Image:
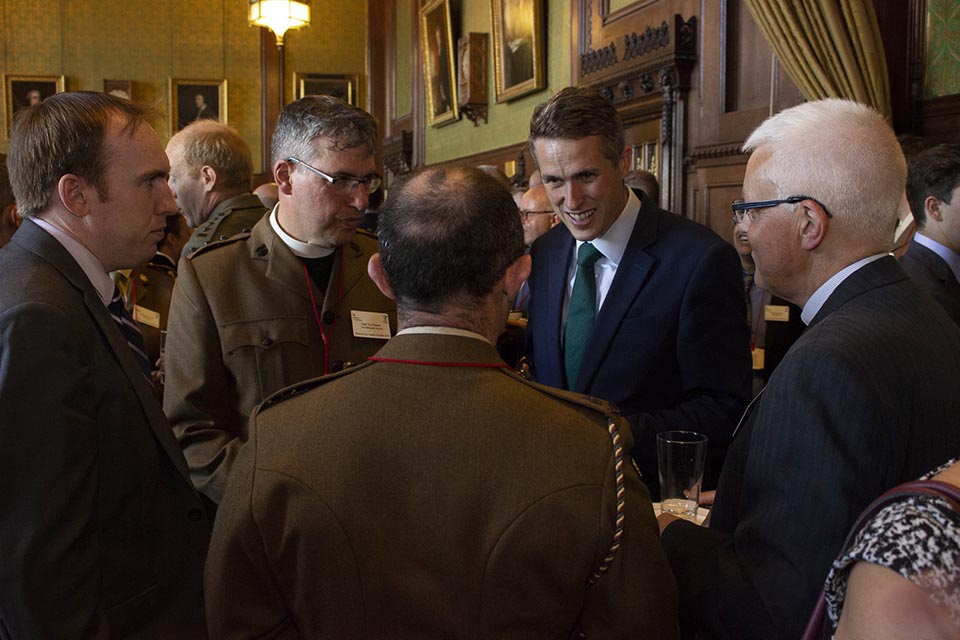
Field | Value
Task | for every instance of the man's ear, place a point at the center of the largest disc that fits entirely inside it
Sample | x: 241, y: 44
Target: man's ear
x: 75, y: 194
x: 379, y: 276
x: 516, y: 274
x: 10, y: 217
x: 814, y: 224
x: 281, y: 175
x: 208, y: 176
x: 931, y: 206
x: 625, y: 160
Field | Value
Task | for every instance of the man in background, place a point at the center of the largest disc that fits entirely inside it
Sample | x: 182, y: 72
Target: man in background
x: 499, y: 514
x: 101, y: 530
x: 867, y: 398
x: 211, y: 172
x: 932, y: 259
x: 288, y: 301
x: 628, y: 302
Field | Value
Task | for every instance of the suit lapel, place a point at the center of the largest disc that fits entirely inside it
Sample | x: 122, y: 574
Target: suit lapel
x: 556, y: 290
x: 937, y: 266
x: 280, y: 265
x: 875, y: 274
x: 42, y: 244
x: 349, y: 267
x: 632, y: 273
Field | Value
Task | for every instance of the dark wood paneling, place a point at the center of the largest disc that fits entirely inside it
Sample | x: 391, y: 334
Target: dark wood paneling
x: 271, y: 98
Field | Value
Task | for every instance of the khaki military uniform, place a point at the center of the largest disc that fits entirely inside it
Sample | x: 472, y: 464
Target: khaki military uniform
x: 148, y: 300
x: 243, y: 325
x: 405, y: 500
x: 232, y: 216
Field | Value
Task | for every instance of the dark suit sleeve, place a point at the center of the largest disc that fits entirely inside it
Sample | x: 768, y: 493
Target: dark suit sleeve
x: 713, y: 355
x: 198, y: 397
x: 813, y: 451
x: 49, y: 576
x: 638, y: 591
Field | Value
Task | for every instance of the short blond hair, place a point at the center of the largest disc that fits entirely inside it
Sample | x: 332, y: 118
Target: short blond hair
x: 208, y: 142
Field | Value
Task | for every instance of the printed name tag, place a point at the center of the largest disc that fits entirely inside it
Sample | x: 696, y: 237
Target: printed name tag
x: 757, y: 359
x: 146, y: 316
x: 776, y: 313
x: 369, y: 324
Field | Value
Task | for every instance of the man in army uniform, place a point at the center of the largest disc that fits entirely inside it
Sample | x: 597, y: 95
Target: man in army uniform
x: 288, y: 301
x: 463, y: 501
x: 147, y: 297
x: 211, y: 172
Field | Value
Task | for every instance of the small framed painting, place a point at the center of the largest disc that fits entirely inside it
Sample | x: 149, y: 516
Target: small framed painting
x: 24, y: 91
x: 437, y: 47
x: 193, y: 100
x: 322, y: 84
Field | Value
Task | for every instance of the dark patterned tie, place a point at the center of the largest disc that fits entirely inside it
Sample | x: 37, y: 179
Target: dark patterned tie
x: 581, y: 312
x: 131, y: 332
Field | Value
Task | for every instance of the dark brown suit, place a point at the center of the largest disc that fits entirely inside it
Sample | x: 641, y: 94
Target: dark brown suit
x: 243, y: 325
x: 464, y: 502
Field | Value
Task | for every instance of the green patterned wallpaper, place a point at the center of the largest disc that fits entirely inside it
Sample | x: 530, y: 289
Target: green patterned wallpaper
x: 88, y: 41
x: 510, y: 122
x: 404, y: 58
x: 942, y: 77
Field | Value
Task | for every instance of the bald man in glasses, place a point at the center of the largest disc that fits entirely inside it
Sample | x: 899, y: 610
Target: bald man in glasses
x: 288, y: 301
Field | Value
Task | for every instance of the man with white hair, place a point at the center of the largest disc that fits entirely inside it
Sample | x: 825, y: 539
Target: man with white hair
x: 867, y: 397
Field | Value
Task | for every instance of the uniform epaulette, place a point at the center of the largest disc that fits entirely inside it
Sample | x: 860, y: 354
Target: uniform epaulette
x: 300, y: 387
x: 608, y: 409
x: 161, y: 268
x: 243, y: 235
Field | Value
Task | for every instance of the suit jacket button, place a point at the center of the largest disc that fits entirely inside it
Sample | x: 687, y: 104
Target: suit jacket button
x: 194, y: 514
x: 261, y: 250
x: 266, y: 341
x: 223, y: 237
x: 245, y: 230
x: 328, y: 316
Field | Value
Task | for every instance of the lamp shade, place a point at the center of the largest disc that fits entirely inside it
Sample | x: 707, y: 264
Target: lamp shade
x: 279, y: 15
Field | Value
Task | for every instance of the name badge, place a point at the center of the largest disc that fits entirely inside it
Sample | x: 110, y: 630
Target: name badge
x: 146, y: 316
x: 370, y: 324
x: 776, y: 313
x: 757, y: 359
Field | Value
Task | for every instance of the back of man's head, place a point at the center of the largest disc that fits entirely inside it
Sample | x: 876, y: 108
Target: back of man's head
x: 311, y: 117
x: 62, y: 135
x: 576, y: 113
x: 645, y: 181
x: 6, y: 191
x: 447, y: 236
x: 934, y: 172
x: 208, y: 142
x: 9, y: 220
x: 841, y: 153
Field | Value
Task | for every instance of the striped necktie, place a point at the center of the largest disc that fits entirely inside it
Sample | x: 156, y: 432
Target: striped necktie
x: 581, y: 312
x: 131, y: 332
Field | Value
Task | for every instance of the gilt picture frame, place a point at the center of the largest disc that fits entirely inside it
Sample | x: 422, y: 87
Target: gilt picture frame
x: 192, y: 100
x: 21, y: 89
x: 518, y: 48
x: 326, y: 84
x: 440, y: 78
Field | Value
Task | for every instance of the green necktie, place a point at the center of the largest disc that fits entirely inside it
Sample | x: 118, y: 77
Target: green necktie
x: 581, y: 312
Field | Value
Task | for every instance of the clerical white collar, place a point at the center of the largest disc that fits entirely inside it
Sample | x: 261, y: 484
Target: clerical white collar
x: 298, y: 247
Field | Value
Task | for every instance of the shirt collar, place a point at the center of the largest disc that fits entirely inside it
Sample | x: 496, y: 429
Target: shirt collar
x: 297, y: 247
x: 443, y: 331
x: 820, y: 296
x: 613, y: 243
x: 89, y: 263
x: 949, y: 256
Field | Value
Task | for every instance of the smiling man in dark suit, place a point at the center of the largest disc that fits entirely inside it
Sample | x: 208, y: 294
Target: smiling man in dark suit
x: 867, y: 397
x: 933, y: 258
x: 101, y: 531
x: 660, y: 328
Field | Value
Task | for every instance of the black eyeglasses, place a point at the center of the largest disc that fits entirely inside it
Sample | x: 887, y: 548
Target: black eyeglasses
x: 752, y: 209
x: 342, y: 184
x: 526, y: 213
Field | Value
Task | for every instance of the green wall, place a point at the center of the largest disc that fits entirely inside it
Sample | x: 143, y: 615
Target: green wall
x: 942, y: 76
x: 509, y: 123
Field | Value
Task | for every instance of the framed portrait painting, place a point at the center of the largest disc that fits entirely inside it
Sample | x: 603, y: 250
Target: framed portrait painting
x: 23, y: 91
x: 192, y: 100
x: 436, y: 40
x: 518, y: 47
x: 321, y: 84
x: 119, y: 88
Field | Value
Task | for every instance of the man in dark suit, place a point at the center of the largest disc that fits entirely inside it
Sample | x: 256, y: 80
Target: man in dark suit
x: 288, y: 301
x: 102, y: 533
x: 933, y: 257
x: 868, y: 396
x: 662, y: 334
x: 488, y: 508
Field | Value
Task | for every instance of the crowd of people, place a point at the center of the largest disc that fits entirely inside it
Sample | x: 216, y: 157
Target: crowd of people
x: 230, y: 414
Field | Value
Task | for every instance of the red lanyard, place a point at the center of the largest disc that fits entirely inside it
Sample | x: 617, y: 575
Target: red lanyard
x: 469, y: 365
x: 316, y: 314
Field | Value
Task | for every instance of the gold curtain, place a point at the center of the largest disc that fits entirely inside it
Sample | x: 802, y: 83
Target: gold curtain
x: 830, y: 48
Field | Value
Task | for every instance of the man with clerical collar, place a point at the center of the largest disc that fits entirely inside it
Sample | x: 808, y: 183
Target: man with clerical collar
x: 867, y: 397
x: 289, y: 300
x: 628, y: 302
x: 933, y: 257
x: 211, y: 172
x: 464, y: 501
